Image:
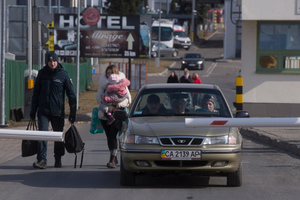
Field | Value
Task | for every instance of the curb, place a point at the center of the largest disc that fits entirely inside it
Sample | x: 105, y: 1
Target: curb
x: 284, y: 145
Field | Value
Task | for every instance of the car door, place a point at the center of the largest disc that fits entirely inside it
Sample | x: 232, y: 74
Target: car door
x: 163, y: 50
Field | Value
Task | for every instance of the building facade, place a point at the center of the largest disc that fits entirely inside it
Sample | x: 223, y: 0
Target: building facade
x: 271, y: 57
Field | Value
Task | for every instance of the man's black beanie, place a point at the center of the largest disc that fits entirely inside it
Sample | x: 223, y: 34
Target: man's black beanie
x: 51, y: 56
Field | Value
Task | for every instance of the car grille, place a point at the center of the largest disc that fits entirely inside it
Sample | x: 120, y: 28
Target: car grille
x: 192, y: 62
x: 178, y: 163
x: 185, y: 42
x: 180, y: 141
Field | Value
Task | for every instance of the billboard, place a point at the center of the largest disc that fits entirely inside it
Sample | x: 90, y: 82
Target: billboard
x: 115, y: 36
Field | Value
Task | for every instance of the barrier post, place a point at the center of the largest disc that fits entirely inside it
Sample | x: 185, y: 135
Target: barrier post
x: 239, y: 93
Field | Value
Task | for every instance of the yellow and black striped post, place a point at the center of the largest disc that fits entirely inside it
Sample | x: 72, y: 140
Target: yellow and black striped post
x: 239, y: 93
x: 215, y: 20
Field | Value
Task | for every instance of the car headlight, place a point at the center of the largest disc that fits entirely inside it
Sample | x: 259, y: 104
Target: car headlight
x: 138, y: 139
x: 199, y: 62
x: 227, y: 139
x: 183, y: 62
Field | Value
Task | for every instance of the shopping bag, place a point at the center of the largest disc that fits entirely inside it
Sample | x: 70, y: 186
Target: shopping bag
x: 96, y: 126
x: 29, y: 147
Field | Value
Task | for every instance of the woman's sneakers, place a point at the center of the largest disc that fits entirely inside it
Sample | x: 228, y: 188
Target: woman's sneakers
x: 113, y: 161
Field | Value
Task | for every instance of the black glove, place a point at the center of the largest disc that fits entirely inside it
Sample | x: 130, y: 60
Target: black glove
x: 72, y: 119
x: 32, y: 116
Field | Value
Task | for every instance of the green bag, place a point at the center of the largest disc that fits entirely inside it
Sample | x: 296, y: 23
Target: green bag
x: 96, y: 126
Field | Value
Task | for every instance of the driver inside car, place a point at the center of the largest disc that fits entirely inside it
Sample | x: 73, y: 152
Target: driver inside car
x: 154, y: 106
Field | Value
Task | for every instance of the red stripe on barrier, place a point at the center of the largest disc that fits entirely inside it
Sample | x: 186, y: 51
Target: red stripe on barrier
x: 218, y: 122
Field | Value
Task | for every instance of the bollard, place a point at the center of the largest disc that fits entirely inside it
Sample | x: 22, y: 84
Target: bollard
x: 239, y: 93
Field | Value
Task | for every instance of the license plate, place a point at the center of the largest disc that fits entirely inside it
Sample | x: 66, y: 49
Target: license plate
x: 181, y: 154
x: 185, y: 46
x: 192, y: 65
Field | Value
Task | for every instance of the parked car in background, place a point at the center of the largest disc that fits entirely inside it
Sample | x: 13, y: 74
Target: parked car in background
x: 157, y: 142
x: 164, y: 50
x: 181, y: 40
x: 192, y: 61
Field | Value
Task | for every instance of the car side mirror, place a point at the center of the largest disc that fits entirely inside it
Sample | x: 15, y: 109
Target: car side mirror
x: 120, y: 115
x: 242, y: 114
x: 181, y: 58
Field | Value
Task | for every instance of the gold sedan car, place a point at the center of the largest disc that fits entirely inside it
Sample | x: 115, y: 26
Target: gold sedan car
x: 156, y: 141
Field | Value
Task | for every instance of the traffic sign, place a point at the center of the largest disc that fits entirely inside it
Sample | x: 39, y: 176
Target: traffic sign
x: 50, y: 42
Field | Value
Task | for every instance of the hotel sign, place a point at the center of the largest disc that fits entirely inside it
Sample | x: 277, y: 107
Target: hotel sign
x: 112, y: 36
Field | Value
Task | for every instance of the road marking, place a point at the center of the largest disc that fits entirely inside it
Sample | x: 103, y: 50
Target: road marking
x: 210, y: 69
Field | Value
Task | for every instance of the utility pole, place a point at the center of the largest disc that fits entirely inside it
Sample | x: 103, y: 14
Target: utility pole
x: 192, y: 24
x: 2, y: 59
x: 78, y: 52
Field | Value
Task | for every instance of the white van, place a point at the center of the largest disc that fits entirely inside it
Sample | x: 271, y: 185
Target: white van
x: 180, y: 38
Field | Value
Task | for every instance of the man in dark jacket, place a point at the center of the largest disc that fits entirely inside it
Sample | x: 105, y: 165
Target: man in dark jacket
x: 48, y: 101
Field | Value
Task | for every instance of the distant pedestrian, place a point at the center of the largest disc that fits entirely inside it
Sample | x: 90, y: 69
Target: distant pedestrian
x: 186, y: 77
x: 173, y: 78
x: 196, y: 78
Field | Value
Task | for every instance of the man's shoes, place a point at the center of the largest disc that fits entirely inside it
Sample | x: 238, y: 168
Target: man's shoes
x: 40, y: 164
x: 112, y: 162
x: 57, y: 163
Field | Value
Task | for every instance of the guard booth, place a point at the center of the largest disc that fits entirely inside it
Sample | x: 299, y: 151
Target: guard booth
x: 28, y: 92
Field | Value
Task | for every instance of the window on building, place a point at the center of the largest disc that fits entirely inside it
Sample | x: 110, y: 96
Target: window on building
x: 278, y: 47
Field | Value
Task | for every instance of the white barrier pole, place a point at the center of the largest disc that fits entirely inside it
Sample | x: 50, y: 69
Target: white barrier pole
x: 32, y: 135
x: 242, y: 122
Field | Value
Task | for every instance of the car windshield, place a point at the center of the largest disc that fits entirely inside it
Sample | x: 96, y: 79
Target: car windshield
x: 180, y: 34
x: 192, y: 55
x: 180, y: 102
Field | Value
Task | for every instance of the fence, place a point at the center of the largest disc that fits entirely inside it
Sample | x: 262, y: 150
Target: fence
x: 15, y: 84
x: 138, y: 74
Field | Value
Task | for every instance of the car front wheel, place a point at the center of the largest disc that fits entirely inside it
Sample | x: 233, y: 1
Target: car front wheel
x: 154, y: 54
x: 127, y: 178
x: 175, y: 53
x: 234, y: 179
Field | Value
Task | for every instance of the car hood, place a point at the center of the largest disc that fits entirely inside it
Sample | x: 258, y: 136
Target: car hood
x: 171, y: 126
x: 182, y: 38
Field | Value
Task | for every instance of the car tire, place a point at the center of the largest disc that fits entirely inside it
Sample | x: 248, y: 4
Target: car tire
x: 127, y: 178
x: 202, y: 67
x: 154, y: 54
x: 174, y: 53
x: 234, y: 179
